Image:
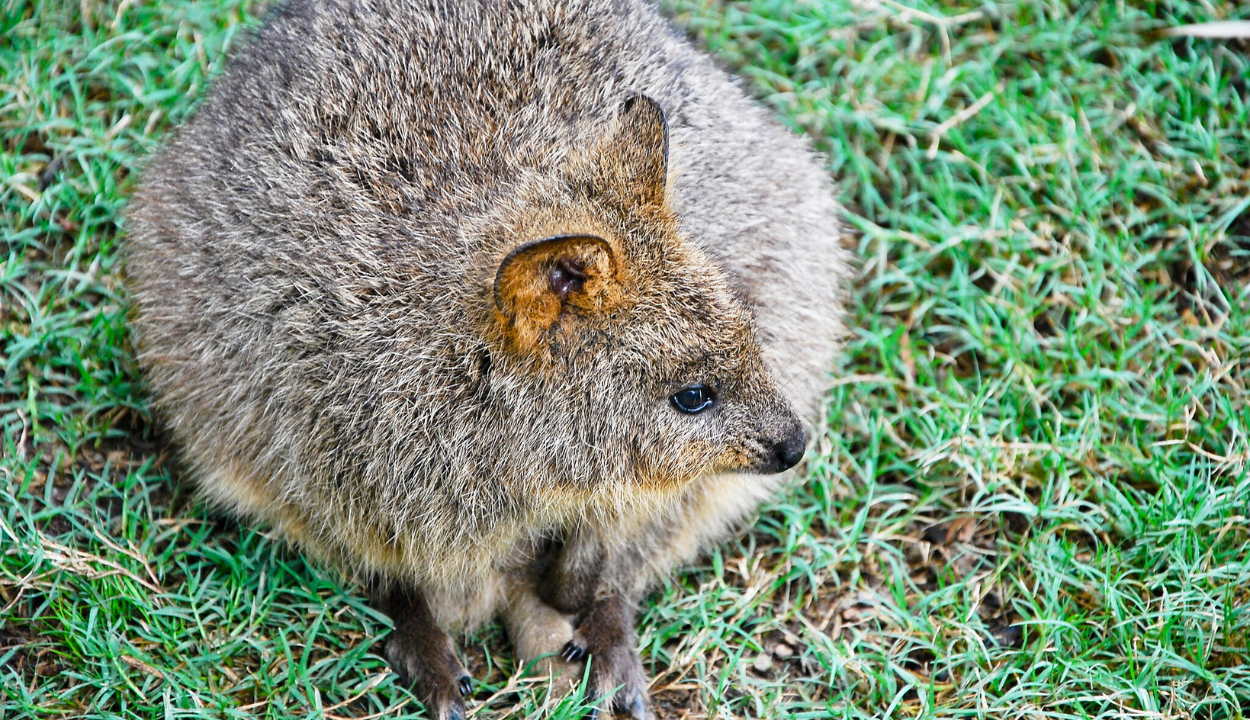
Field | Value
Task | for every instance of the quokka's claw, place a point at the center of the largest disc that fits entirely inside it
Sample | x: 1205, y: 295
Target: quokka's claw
x: 573, y: 652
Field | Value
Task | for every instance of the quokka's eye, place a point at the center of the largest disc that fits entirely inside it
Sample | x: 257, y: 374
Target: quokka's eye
x: 694, y: 399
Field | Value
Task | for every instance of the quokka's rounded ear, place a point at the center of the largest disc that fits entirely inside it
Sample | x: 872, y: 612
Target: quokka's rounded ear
x: 537, y: 282
x: 633, y: 160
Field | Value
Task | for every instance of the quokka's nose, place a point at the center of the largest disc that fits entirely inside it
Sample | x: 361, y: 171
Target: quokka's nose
x: 789, y: 451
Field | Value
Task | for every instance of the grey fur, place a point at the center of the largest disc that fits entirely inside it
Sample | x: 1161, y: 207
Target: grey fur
x: 311, y: 259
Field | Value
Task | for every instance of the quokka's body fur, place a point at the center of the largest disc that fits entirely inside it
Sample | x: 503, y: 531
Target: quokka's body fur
x: 346, y: 343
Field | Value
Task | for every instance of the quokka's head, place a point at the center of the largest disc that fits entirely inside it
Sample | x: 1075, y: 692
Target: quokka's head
x: 642, y: 361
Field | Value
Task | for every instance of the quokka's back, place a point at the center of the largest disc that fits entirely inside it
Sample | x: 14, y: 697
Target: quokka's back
x: 427, y: 287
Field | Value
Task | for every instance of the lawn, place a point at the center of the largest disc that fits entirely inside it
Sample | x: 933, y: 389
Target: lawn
x: 1032, y: 499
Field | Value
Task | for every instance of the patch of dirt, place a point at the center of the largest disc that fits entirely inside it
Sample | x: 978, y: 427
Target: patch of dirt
x: 1230, y: 259
x: 677, y: 702
x: 31, y: 661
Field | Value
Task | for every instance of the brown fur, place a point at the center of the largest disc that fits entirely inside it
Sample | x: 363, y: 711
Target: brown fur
x: 417, y: 281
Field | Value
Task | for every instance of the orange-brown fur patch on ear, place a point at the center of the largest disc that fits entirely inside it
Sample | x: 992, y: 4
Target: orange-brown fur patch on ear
x: 539, y: 280
x: 633, y: 161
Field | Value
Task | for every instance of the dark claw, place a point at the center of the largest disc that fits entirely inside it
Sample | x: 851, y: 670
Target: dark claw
x: 464, y: 685
x: 573, y: 652
x: 589, y: 698
x: 637, y: 708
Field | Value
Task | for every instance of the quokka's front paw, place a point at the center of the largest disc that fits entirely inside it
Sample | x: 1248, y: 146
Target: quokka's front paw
x: 605, y: 639
x: 432, y: 670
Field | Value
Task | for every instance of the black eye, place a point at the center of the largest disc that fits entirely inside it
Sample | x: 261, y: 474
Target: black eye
x: 694, y: 399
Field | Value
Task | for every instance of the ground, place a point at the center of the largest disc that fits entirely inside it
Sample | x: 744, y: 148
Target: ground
x: 1032, y: 499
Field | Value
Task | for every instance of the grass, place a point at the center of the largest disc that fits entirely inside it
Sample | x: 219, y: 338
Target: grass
x: 1032, y: 500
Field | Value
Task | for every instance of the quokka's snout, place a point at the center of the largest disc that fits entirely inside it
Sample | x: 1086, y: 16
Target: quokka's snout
x: 784, y: 449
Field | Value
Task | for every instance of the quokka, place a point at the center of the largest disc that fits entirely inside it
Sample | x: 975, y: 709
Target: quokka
x: 503, y: 306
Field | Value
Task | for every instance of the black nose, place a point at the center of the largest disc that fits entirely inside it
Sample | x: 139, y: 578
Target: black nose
x: 788, y: 452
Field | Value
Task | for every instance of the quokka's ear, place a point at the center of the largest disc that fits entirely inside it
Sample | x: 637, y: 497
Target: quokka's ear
x: 538, y: 281
x: 633, y: 160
